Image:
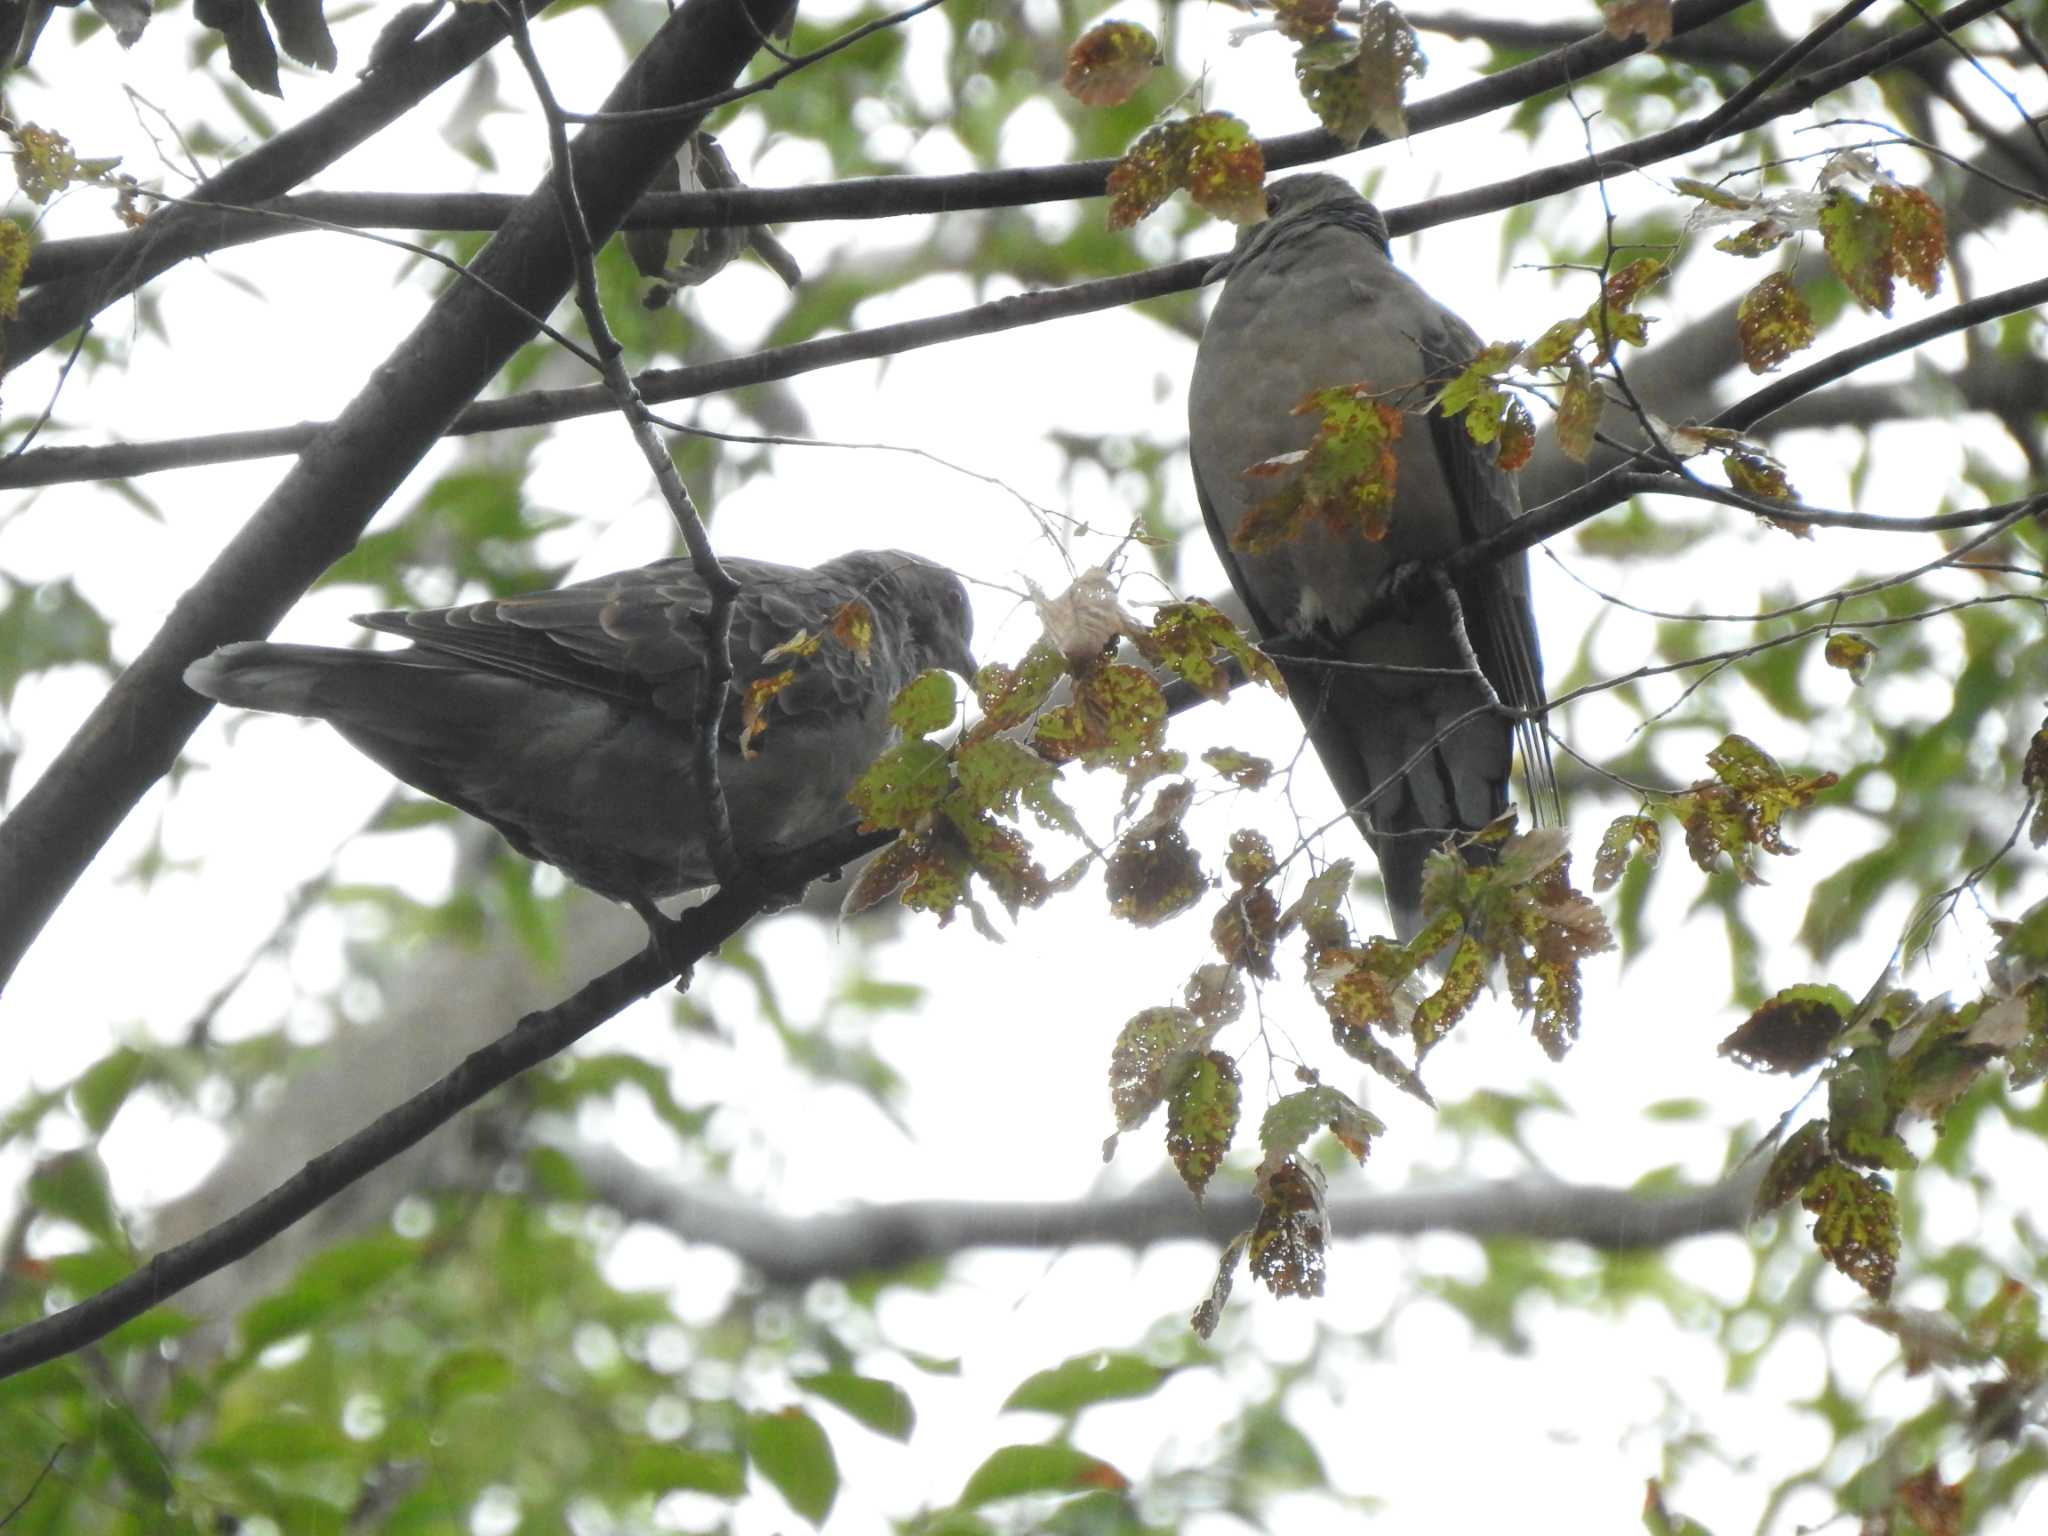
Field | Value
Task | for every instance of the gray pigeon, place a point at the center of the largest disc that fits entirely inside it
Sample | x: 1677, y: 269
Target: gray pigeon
x: 564, y: 719
x: 1313, y: 300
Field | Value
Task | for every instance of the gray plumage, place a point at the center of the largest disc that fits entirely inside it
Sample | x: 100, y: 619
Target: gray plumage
x: 1313, y: 300
x: 565, y: 719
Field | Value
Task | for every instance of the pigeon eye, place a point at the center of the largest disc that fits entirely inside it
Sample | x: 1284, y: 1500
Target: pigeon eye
x: 1272, y: 204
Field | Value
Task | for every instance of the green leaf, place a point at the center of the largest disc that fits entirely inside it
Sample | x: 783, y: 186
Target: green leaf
x: 105, y: 1086
x: 1100, y: 1377
x: 790, y: 1450
x: 1021, y: 1469
x: 660, y: 1469
x: 331, y: 1283
x: 73, y: 1186
x: 881, y: 1405
x: 279, y: 1440
x: 125, y: 1441
x: 926, y: 704
x: 475, y: 1371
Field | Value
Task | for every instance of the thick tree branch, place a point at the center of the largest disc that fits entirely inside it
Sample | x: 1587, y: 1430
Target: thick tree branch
x: 321, y: 506
x: 792, y: 1251
x: 535, y: 1039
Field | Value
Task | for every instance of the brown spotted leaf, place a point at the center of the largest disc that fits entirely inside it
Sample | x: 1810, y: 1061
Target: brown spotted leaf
x: 1152, y: 1052
x: 14, y: 249
x: 1250, y: 860
x: 1343, y: 480
x: 1858, y: 240
x: 1623, y: 834
x: 1793, y: 1166
x: 1109, y: 62
x: 1201, y: 1118
x: 1117, y: 716
x: 1648, y: 19
x: 1772, y: 322
x: 1856, y: 1225
x: 1210, y: 1312
x: 925, y: 704
x: 1578, y: 411
x: 1245, y: 929
x: 754, y: 701
x: 1187, y: 638
x: 902, y: 786
x: 853, y: 626
x: 1452, y: 999
x: 1001, y: 856
x: 1302, y: 20
x: 1153, y: 874
x: 1224, y: 169
x: 2034, y: 778
x: 1357, y: 86
x: 1292, y: 1118
x: 1851, y: 653
x: 1241, y: 768
x: 1755, y: 473
x: 1010, y: 696
x: 1919, y: 234
x: 1215, y: 993
x: 1288, y: 1239
x: 1792, y: 1031
x: 1742, y: 809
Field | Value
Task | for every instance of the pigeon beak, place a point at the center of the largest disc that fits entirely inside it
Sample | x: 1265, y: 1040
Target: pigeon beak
x: 962, y: 661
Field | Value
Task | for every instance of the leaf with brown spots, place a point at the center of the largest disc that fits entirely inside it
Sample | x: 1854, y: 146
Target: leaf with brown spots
x: 1241, y: 768
x: 1357, y: 86
x: 1245, y: 929
x: 853, y: 626
x: 1856, y: 1225
x: 1109, y: 62
x: 1624, y: 833
x: 1210, y: 1312
x: 1772, y: 322
x: 1288, y: 1239
x: 1792, y: 1031
x: 1201, y: 1119
x: 1152, y: 1051
x: 1648, y: 19
x: 754, y: 701
x: 1153, y: 874
x: 1743, y: 808
x: 1343, y: 480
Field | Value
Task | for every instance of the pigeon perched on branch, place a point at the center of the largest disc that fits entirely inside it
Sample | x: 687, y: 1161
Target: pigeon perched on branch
x: 567, y: 719
x: 1312, y: 301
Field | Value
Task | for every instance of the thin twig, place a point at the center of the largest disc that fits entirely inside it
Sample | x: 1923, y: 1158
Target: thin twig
x: 1784, y: 64
x: 715, y: 691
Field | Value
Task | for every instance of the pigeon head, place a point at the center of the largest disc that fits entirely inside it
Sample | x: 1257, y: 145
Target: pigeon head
x: 932, y: 599
x: 1297, y: 204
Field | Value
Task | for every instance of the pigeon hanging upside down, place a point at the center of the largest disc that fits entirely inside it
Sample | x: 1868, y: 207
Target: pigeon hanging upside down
x: 566, y: 719
x: 1313, y: 301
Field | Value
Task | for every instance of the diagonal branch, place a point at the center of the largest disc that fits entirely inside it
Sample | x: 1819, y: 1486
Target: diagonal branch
x: 535, y: 1039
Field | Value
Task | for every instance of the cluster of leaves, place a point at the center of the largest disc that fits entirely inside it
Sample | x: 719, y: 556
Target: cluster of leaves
x: 1738, y: 812
x: 1871, y: 240
x: 960, y: 807
x: 1895, y: 1056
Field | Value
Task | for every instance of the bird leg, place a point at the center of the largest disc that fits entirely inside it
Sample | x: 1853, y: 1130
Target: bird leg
x: 664, y: 937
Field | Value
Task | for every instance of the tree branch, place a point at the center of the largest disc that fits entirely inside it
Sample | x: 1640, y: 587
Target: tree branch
x: 879, y: 197
x: 792, y: 1251
x: 537, y: 1037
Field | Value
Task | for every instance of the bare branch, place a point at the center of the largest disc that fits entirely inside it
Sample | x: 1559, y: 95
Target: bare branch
x: 537, y: 1037
x: 792, y: 1251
